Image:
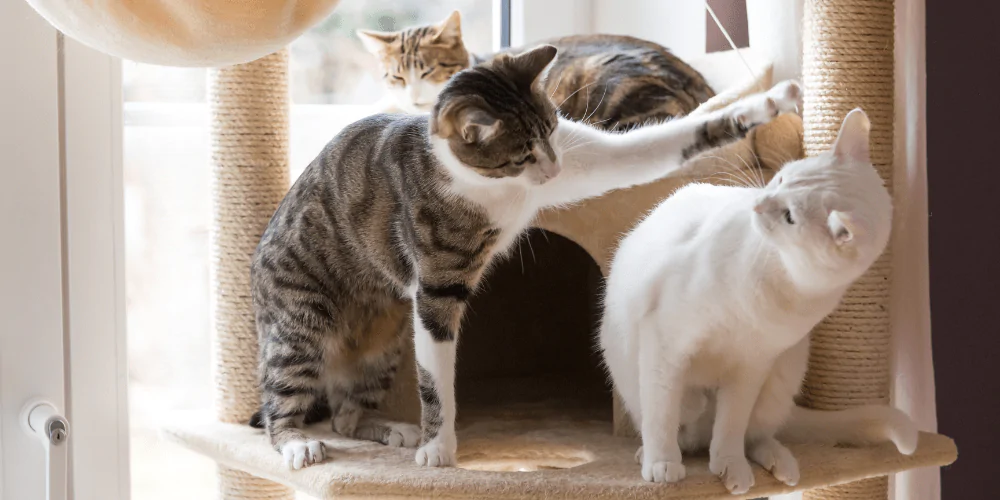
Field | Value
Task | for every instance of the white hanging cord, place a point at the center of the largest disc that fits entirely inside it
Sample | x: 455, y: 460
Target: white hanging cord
x: 732, y: 44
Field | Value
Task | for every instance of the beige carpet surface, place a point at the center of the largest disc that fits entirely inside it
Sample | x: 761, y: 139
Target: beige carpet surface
x: 564, y: 458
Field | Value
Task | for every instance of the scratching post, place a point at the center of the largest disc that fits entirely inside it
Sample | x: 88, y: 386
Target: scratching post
x: 848, y: 62
x: 249, y: 105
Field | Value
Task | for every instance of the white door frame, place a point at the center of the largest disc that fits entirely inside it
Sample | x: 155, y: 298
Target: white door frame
x: 62, y: 292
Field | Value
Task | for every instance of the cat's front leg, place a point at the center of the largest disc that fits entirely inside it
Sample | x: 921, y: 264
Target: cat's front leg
x: 735, y: 400
x: 437, y: 314
x: 595, y: 162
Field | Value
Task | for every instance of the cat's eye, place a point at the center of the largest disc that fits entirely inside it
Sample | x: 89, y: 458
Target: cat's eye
x: 788, y: 217
x: 399, y: 78
x: 526, y: 159
x: 429, y: 71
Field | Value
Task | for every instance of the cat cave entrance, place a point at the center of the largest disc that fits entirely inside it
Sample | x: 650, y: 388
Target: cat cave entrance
x: 536, y: 412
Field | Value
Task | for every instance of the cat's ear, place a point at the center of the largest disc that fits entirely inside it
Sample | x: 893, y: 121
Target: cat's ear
x: 471, y: 124
x: 450, y: 29
x: 528, y: 66
x: 852, y: 141
x: 476, y: 125
x: 376, y: 42
x: 843, y: 227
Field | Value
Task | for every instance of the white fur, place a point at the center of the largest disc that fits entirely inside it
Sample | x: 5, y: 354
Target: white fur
x: 710, y: 301
x: 438, y: 358
x: 417, y: 96
x: 588, y: 163
x: 299, y: 454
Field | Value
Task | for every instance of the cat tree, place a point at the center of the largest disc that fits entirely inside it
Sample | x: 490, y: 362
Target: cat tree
x: 572, y: 449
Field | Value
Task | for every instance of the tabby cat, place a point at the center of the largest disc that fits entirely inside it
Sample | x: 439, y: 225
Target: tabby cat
x: 609, y: 81
x: 393, y: 225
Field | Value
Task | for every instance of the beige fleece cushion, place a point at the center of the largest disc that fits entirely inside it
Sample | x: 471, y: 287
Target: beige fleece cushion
x: 185, y: 32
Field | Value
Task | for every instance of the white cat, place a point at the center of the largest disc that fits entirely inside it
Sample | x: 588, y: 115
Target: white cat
x: 710, y: 301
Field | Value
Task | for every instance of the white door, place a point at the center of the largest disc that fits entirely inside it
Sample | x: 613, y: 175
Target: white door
x: 61, y: 284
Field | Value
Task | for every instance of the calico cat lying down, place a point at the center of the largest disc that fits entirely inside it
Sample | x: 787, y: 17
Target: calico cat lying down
x: 709, y: 305
x: 391, y: 228
x: 609, y: 81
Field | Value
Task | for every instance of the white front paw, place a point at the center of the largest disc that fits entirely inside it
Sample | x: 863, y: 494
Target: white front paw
x: 663, y: 472
x: 787, y: 96
x: 437, y: 453
x: 404, y: 435
x: 735, y: 472
x: 299, y: 454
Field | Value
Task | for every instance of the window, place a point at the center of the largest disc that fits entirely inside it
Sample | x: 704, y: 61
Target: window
x: 334, y: 81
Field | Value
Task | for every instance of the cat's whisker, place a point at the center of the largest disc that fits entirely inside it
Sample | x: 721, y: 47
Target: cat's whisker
x: 574, y: 93
x: 586, y: 119
x: 749, y: 171
x: 520, y: 255
x: 777, y: 161
x: 600, y: 122
x: 722, y: 181
x: 758, y: 172
x: 556, y: 89
x: 735, y: 179
x: 527, y: 238
x: 743, y: 175
x: 736, y: 169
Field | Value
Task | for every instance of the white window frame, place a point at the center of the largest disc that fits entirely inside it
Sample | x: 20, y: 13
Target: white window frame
x: 63, y: 293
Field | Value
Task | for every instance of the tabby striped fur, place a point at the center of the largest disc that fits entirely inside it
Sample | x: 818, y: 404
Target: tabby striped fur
x: 393, y: 225
x: 612, y: 82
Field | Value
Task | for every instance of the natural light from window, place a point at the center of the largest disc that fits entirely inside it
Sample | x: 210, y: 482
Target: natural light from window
x: 334, y: 82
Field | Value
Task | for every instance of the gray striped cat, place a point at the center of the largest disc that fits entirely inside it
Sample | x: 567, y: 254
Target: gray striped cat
x: 393, y: 225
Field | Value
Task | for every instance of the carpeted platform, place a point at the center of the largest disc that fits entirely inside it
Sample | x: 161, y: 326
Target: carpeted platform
x: 518, y: 456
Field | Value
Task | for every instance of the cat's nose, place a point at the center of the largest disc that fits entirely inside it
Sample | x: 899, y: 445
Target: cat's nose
x: 548, y: 169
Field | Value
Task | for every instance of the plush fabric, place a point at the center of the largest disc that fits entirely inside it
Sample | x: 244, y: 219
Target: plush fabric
x: 494, y: 447
x: 185, y: 32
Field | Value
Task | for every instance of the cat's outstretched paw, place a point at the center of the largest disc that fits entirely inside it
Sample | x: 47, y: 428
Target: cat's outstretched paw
x: 299, y: 454
x: 436, y: 453
x: 736, y: 473
x: 663, y: 472
x: 776, y: 458
x: 787, y: 96
x: 403, y: 436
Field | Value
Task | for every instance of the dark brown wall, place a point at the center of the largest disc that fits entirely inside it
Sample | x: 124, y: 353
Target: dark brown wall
x: 963, y: 103
x: 733, y: 15
x: 534, y: 320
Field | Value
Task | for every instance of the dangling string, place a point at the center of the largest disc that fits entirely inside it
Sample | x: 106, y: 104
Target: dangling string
x: 732, y: 44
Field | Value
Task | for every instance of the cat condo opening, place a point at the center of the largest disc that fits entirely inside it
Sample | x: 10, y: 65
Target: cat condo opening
x: 536, y: 417
x: 527, y: 351
x: 527, y: 341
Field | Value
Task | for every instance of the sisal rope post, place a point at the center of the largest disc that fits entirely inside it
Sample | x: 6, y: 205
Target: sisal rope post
x: 848, y: 62
x: 249, y: 111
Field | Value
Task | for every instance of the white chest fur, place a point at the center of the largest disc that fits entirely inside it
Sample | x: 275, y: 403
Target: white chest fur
x: 510, y: 207
x: 510, y: 203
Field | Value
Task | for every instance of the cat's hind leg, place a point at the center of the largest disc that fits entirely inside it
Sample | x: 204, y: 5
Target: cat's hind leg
x: 735, y: 400
x: 287, y: 397
x: 357, y: 413
x: 771, y: 411
x: 291, y: 377
x: 661, y: 393
x: 775, y: 458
